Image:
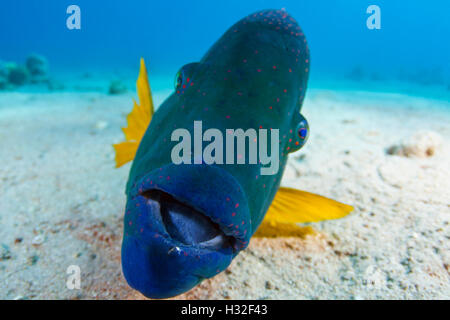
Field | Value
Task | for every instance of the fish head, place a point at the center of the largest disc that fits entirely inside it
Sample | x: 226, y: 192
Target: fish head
x: 185, y: 222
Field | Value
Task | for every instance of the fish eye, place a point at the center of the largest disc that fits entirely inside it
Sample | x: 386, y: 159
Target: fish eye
x: 184, y: 77
x: 303, y: 131
x: 178, y: 80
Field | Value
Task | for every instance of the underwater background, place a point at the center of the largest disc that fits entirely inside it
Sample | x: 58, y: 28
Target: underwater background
x: 411, y: 47
x: 378, y: 107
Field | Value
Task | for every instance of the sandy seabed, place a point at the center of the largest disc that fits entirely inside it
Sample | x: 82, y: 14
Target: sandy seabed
x: 62, y: 201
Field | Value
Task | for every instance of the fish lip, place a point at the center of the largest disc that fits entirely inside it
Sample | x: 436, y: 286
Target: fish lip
x: 167, y: 276
x: 186, y: 247
x: 207, y: 245
x: 158, y: 179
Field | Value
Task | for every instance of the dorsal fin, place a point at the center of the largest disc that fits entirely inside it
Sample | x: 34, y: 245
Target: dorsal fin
x: 137, y: 120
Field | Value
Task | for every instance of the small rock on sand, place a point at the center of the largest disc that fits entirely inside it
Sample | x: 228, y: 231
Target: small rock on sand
x: 18, y: 75
x: 117, y: 87
x: 100, y: 125
x: 422, y: 144
x: 38, y: 240
x: 37, y: 67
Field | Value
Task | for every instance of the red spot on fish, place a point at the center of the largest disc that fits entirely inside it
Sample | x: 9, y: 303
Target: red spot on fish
x: 233, y: 214
x: 237, y: 205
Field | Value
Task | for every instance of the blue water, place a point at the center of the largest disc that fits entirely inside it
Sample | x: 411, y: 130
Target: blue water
x: 412, y: 44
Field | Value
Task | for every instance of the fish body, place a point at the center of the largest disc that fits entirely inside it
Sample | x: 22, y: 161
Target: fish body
x: 186, y: 222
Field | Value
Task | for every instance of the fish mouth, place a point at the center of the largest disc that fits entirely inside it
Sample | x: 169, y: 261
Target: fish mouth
x: 195, y: 205
x: 185, y: 224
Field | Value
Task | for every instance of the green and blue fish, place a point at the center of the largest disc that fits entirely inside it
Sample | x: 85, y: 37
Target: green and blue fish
x: 185, y: 222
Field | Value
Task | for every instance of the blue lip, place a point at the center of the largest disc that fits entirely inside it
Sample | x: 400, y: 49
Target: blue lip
x: 154, y: 260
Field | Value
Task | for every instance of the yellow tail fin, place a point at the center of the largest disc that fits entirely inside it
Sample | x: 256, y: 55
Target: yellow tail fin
x: 292, y: 206
x: 138, y: 120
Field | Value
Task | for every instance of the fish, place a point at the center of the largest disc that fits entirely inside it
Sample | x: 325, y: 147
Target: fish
x: 186, y: 222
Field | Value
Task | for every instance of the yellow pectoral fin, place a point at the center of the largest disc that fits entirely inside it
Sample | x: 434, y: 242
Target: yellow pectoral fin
x: 269, y: 230
x: 292, y: 206
x: 137, y: 120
